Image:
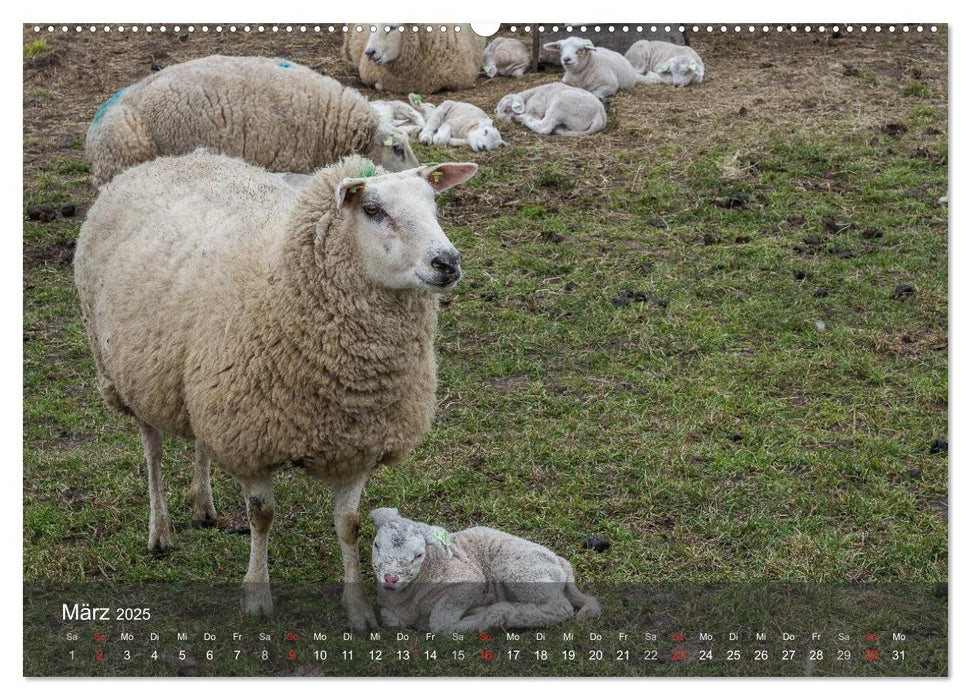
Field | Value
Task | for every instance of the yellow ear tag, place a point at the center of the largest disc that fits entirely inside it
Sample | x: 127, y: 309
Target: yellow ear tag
x: 389, y: 141
x: 436, y: 176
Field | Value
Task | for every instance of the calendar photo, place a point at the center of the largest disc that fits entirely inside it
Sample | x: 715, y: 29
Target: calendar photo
x: 516, y: 350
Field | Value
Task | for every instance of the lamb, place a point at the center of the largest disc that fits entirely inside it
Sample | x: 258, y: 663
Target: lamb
x: 274, y: 113
x: 469, y: 580
x: 555, y: 108
x: 664, y: 62
x: 277, y: 327
x: 401, y: 114
x: 401, y: 61
x: 460, y: 124
x: 601, y: 71
x: 506, y: 57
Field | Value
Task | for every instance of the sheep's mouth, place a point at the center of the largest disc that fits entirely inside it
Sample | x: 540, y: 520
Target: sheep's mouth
x: 376, y: 59
x: 441, y: 282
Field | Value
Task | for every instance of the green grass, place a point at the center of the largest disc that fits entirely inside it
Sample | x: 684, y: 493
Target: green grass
x: 35, y: 47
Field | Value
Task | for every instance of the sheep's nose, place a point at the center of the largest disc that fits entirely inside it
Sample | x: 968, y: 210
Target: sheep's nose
x: 369, y: 53
x: 390, y: 579
x: 447, y: 264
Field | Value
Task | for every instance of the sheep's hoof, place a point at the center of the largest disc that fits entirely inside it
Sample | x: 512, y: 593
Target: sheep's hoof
x: 257, y: 599
x: 160, y: 543
x: 362, y: 620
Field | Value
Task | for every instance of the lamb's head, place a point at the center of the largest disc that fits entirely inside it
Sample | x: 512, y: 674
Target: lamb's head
x: 391, y: 149
x: 509, y: 106
x: 681, y: 69
x: 393, y: 220
x: 485, y: 137
x: 574, y: 51
x: 400, y: 547
x: 384, y: 45
x: 489, y: 59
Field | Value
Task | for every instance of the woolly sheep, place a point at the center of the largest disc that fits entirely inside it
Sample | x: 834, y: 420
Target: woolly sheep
x: 398, y: 60
x: 555, y: 108
x: 273, y: 113
x: 601, y: 71
x: 665, y: 62
x: 460, y: 124
x: 469, y: 580
x: 506, y: 57
x: 277, y: 327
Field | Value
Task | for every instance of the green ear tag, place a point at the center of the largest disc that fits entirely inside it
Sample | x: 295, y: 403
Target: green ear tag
x: 665, y: 68
x: 389, y: 141
x: 436, y: 176
x: 368, y: 171
x: 417, y: 97
x: 442, y: 535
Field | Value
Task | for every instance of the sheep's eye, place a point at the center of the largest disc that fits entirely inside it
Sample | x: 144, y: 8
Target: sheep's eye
x: 371, y: 210
x: 417, y: 557
x: 399, y: 150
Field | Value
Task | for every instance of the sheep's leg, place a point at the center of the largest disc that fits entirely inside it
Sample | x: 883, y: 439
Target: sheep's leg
x: 432, y: 122
x: 200, y: 493
x: 457, y: 142
x: 347, y: 522
x: 159, y: 523
x: 443, y: 135
x: 257, y: 599
x: 540, y: 126
x: 542, y: 606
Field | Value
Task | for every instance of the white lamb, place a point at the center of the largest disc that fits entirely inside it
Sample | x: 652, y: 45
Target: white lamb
x: 506, y: 57
x: 664, y: 62
x: 399, y: 114
x: 460, y: 124
x: 601, y: 71
x: 555, y: 108
x: 469, y: 580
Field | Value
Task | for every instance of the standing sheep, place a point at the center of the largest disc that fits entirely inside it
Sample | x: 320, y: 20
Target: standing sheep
x: 663, y: 62
x: 555, y: 108
x: 278, y: 327
x: 273, y: 113
x: 460, y: 124
x: 399, y: 60
x: 601, y: 71
x: 470, y: 580
x: 506, y: 57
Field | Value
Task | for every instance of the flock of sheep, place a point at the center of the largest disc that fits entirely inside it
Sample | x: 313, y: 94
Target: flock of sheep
x: 260, y: 272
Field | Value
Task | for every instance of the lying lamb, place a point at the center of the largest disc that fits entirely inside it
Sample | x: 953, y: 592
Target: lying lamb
x: 400, y: 114
x: 555, y: 108
x: 506, y: 57
x: 601, y: 71
x: 469, y: 580
x: 460, y: 124
x: 663, y: 62
x: 280, y: 327
x: 270, y: 112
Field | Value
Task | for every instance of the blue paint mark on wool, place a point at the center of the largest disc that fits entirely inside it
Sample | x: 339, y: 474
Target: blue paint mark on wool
x: 107, y: 104
x: 285, y: 64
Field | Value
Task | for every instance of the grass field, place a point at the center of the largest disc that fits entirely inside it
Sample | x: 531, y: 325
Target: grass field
x: 679, y: 334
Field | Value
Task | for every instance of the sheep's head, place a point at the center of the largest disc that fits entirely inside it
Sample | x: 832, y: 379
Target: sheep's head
x: 573, y: 51
x: 681, y: 69
x: 391, y: 149
x: 509, y: 106
x: 489, y: 68
x: 384, y: 45
x: 400, y: 547
x: 485, y: 137
x: 394, y: 221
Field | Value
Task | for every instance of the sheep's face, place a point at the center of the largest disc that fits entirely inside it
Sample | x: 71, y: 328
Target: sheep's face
x: 384, y: 45
x: 397, y: 555
x: 395, y: 225
x: 391, y: 148
x: 489, y: 68
x: 509, y: 106
x: 680, y: 69
x: 574, y: 52
x: 485, y: 137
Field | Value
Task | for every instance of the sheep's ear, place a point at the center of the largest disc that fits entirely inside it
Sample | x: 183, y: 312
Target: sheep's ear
x: 552, y: 46
x: 383, y: 516
x: 587, y: 44
x: 517, y: 106
x: 349, y: 191
x: 438, y: 537
x: 447, y: 175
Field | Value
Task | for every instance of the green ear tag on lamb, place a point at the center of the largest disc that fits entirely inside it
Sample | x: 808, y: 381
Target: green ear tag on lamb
x: 665, y: 68
x: 439, y: 534
x: 389, y: 142
x: 692, y: 66
x: 369, y: 170
x: 417, y: 97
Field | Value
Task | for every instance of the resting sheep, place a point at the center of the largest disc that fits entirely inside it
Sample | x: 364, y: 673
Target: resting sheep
x: 598, y: 70
x: 506, y: 57
x: 555, y: 108
x: 400, y: 114
x: 469, y: 580
x: 277, y: 327
x: 460, y: 124
x: 273, y: 113
x: 663, y: 62
x: 396, y: 59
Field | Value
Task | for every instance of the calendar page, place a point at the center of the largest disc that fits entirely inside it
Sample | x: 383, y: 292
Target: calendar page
x: 552, y: 349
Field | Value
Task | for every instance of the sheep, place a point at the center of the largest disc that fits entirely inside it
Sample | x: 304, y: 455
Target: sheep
x: 274, y: 113
x: 601, y: 71
x: 555, y: 108
x: 277, y: 327
x: 664, y: 62
x: 400, y: 61
x: 400, y: 114
x: 470, y: 580
x: 460, y: 124
x: 506, y: 57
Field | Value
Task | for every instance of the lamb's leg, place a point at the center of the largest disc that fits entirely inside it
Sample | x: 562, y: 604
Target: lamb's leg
x: 432, y: 122
x: 200, y: 493
x: 347, y: 522
x: 257, y: 599
x: 456, y: 143
x: 443, y: 135
x: 540, y: 126
x: 550, y: 609
x: 159, y: 523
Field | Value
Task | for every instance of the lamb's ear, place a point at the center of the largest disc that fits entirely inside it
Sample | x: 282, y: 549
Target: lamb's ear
x: 349, y: 191
x: 552, y: 46
x: 382, y: 516
x: 447, y: 175
x: 436, y: 536
x: 587, y: 44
